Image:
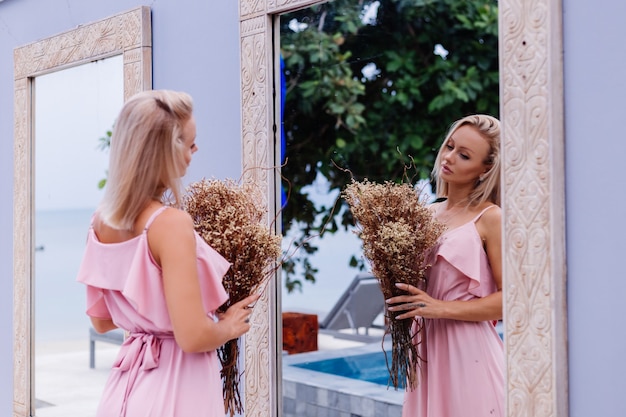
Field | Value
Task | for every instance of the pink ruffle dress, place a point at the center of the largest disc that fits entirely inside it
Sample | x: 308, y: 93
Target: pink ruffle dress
x: 463, y: 375
x: 152, y: 376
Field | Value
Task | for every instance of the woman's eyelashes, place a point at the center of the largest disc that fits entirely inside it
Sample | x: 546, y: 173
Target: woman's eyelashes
x: 462, y: 155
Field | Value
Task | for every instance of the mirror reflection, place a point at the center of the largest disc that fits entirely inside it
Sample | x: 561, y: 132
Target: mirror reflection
x: 369, y: 90
x: 74, y: 109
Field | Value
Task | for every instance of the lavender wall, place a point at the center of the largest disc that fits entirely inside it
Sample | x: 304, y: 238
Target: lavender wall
x: 595, y: 90
x: 195, y: 49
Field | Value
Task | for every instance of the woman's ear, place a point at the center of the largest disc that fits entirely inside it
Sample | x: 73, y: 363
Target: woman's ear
x: 482, y: 176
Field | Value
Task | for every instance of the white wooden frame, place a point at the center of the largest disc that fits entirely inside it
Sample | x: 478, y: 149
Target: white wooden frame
x: 531, y: 83
x: 128, y: 34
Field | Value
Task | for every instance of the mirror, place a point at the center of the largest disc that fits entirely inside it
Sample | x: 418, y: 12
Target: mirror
x: 126, y: 36
x: 66, y: 195
x: 367, y: 88
x: 530, y: 45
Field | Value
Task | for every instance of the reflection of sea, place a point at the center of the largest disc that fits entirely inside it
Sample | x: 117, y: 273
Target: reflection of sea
x: 59, y: 299
x: 333, y: 276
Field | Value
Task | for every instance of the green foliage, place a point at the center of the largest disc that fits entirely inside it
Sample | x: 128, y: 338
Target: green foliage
x: 104, y: 143
x: 339, y: 123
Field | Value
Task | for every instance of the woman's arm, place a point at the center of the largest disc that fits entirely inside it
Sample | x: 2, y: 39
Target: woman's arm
x: 173, y: 244
x: 102, y: 325
x: 489, y: 227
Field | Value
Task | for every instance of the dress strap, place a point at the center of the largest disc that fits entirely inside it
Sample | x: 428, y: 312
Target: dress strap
x: 154, y: 216
x: 482, y: 212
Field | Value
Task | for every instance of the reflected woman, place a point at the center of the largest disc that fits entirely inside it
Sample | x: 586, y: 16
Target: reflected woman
x: 148, y: 272
x: 462, y: 371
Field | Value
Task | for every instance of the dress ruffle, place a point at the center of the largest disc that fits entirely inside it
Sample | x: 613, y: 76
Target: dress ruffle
x: 471, y: 261
x: 138, y: 277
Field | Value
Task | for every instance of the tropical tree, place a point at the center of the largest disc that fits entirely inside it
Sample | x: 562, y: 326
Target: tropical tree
x: 370, y: 87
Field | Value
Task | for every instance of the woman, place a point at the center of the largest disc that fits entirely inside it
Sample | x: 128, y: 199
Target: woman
x: 462, y: 368
x: 149, y: 273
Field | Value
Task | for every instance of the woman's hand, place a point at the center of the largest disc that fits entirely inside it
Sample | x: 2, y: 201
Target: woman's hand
x: 237, y: 317
x: 416, y: 303
x: 419, y: 304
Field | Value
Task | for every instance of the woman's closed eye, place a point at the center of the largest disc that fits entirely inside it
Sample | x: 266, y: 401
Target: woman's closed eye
x: 462, y: 155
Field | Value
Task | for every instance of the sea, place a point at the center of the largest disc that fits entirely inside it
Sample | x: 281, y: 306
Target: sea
x: 60, y: 302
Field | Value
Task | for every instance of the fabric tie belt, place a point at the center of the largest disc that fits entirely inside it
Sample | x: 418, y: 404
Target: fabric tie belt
x: 139, y: 352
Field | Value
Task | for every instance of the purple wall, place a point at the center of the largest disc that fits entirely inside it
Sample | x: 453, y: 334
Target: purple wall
x: 195, y: 49
x: 595, y: 90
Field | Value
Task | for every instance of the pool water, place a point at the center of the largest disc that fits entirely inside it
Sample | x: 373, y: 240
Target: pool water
x: 369, y: 367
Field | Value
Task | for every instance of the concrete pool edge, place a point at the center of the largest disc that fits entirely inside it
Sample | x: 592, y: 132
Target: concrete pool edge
x: 311, y: 393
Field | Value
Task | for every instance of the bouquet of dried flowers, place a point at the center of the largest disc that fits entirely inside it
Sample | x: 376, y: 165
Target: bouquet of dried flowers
x: 397, y: 230
x: 230, y: 217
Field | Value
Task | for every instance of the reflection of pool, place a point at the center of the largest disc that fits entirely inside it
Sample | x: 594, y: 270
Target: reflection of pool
x: 369, y: 367
x: 351, y: 382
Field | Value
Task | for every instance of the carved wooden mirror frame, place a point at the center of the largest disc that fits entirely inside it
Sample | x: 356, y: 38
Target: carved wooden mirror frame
x: 128, y: 34
x: 531, y: 109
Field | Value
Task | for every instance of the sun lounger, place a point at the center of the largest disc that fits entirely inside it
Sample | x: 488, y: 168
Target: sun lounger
x: 115, y: 337
x: 354, y: 314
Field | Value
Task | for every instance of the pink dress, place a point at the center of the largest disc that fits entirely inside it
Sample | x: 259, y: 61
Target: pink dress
x: 151, y: 376
x: 464, y: 370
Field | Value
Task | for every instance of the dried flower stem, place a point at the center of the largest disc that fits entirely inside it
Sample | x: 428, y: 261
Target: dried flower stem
x: 397, y: 231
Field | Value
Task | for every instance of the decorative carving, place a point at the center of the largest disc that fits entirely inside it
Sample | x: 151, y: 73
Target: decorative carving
x: 247, y: 8
x: 256, y: 132
x: 127, y: 33
x: 531, y: 103
x: 531, y: 95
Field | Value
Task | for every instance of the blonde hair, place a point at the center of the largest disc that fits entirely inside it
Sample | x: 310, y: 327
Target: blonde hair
x: 146, y: 155
x: 487, y: 188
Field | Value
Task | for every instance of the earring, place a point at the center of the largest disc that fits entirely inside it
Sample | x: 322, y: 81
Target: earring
x: 481, y: 178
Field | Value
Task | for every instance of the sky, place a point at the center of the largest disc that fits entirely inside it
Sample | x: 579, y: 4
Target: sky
x: 73, y: 109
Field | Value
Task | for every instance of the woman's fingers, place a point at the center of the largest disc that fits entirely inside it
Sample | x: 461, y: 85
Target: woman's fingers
x: 406, y: 305
x: 409, y: 288
x: 248, y: 302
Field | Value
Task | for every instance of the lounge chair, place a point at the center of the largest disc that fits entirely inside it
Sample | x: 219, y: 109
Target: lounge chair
x: 355, y: 313
x: 115, y: 337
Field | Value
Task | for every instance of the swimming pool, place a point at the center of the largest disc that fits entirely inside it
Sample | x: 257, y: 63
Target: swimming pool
x: 350, y: 382
x: 342, y: 382
x: 370, y: 367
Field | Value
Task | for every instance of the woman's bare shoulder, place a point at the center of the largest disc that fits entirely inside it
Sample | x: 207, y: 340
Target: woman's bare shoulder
x: 434, y: 206
x: 491, y: 218
x: 173, y: 216
x: 171, y: 222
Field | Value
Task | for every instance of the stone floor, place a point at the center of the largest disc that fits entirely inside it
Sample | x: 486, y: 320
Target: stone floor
x: 65, y: 386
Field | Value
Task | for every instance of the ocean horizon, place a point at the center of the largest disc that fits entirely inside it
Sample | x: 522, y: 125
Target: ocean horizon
x: 60, y: 301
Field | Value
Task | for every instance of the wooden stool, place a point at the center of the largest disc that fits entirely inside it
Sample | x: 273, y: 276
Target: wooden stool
x: 299, y: 332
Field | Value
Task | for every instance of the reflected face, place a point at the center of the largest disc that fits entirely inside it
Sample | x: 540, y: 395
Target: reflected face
x: 189, y: 140
x: 463, y: 156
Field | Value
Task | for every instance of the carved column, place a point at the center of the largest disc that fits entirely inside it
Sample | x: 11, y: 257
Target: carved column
x: 262, y: 360
x: 531, y: 78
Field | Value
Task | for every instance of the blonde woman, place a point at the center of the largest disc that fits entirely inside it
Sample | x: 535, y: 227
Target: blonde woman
x: 462, y: 371
x: 149, y: 273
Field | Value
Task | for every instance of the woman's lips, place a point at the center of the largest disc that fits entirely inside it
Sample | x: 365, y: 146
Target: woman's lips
x: 445, y: 170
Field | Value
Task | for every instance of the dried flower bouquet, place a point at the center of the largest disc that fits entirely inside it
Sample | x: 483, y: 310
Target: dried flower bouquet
x: 230, y: 217
x: 397, y: 231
